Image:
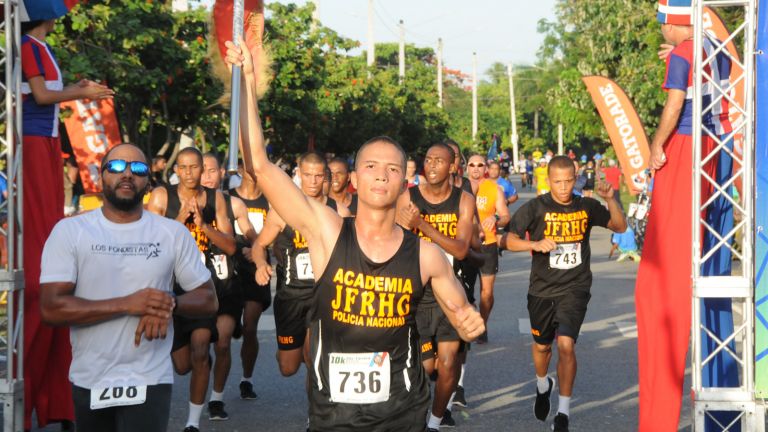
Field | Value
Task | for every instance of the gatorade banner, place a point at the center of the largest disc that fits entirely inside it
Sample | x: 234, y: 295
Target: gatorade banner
x: 715, y: 28
x: 92, y: 130
x: 624, y: 128
x: 761, y: 204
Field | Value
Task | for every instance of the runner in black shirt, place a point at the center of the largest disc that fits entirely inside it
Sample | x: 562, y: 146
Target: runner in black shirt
x: 295, y: 278
x: 558, y: 224
x: 441, y: 213
x: 370, y: 275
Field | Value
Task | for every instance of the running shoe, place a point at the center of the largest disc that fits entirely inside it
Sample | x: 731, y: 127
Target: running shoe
x: 458, y: 398
x: 542, y: 406
x: 448, y: 421
x: 216, y: 411
x: 246, y: 391
x: 191, y: 429
x: 561, y: 423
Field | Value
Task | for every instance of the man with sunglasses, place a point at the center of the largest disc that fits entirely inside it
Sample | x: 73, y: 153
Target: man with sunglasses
x: 108, y: 274
x: 492, y: 212
x: 204, y: 212
x: 441, y: 213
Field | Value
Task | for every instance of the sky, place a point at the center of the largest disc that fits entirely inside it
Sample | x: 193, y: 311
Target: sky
x: 498, y: 30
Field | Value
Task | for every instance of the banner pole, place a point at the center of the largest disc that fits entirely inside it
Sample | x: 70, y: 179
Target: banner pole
x: 234, y: 111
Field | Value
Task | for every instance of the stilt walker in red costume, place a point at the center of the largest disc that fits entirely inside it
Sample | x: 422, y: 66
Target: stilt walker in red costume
x: 47, y: 352
x: 663, y: 292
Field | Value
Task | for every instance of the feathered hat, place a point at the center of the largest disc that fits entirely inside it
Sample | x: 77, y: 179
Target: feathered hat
x: 221, y: 31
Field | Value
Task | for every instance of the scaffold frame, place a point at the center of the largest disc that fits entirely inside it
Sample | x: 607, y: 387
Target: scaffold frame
x: 740, y: 401
x: 12, y: 274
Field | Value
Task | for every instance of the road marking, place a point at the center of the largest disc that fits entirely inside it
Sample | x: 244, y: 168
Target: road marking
x: 628, y: 329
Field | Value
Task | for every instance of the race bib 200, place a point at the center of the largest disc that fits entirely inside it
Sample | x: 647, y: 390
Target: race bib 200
x: 117, y: 396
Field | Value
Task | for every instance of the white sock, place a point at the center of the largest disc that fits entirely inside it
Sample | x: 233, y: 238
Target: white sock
x: 216, y: 396
x: 244, y: 379
x: 434, y: 422
x: 542, y: 383
x: 194, y: 415
x: 564, y: 404
x: 461, y: 377
x: 450, y: 402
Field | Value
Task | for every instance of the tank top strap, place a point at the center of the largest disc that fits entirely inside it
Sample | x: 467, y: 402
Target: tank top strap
x: 173, y: 204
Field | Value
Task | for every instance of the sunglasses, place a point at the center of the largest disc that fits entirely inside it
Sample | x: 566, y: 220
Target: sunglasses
x: 117, y: 166
x: 480, y: 165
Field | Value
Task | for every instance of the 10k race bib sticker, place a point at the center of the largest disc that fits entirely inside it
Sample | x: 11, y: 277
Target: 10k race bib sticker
x: 359, y: 378
x: 304, y: 267
x: 117, y: 396
x: 566, y: 256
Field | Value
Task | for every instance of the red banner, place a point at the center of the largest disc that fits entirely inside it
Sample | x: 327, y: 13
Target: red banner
x: 92, y: 129
x: 624, y: 128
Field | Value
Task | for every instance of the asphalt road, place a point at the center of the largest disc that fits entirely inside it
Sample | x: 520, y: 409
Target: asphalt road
x: 500, y: 379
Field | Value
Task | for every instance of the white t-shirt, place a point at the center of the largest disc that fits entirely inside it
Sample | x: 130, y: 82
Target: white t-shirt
x: 107, y: 260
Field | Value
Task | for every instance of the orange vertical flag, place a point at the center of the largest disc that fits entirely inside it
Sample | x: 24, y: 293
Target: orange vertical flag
x: 624, y: 129
x: 92, y: 130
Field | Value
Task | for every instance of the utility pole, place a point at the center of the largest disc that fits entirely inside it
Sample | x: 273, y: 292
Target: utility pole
x: 315, y: 15
x: 560, y: 147
x: 371, y: 54
x: 402, y: 52
x: 536, y: 123
x: 474, y: 96
x: 440, y: 72
x: 513, y: 115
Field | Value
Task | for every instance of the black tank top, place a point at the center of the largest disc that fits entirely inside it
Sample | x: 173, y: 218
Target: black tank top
x: 353, y: 205
x: 209, y: 215
x: 444, y: 216
x: 257, y: 214
x: 362, y: 319
x: 220, y: 264
x: 294, y: 270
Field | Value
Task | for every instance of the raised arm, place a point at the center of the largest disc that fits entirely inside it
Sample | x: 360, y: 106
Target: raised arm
x: 319, y: 223
x: 449, y: 293
x: 618, y: 222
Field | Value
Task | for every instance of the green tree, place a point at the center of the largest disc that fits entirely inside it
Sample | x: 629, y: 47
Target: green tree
x: 155, y: 61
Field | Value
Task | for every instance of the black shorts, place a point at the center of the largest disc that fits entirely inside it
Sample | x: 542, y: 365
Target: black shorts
x: 490, y: 253
x: 231, y: 303
x: 467, y: 275
x: 254, y: 292
x: 150, y: 416
x: 183, y: 328
x: 292, y: 318
x: 562, y: 315
x: 589, y: 186
x: 433, y: 327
